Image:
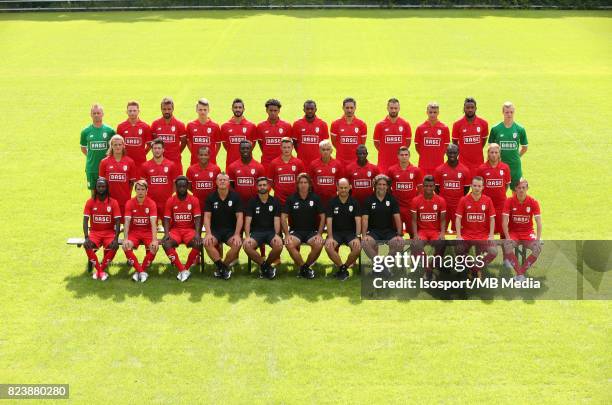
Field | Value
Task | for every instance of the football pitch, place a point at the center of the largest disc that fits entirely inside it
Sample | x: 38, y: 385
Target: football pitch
x: 292, y: 340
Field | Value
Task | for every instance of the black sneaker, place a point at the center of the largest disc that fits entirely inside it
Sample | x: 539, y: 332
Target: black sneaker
x: 342, y: 275
x: 226, y: 274
x: 218, y: 273
x: 271, y: 273
x: 309, y: 273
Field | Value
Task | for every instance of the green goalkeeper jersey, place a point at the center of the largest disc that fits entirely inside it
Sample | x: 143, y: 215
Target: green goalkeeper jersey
x: 510, y: 140
x: 96, y: 142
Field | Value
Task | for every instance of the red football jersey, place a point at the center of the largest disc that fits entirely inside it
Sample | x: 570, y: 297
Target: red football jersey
x: 431, y: 142
x: 171, y: 133
x: 203, y: 180
x: 140, y: 214
x: 347, y: 137
x: 119, y: 175
x: 207, y: 134
x: 325, y: 176
x: 405, y: 183
x: 451, y: 181
x: 391, y: 136
x: 231, y: 136
x: 361, y: 178
x: 102, y: 214
x: 495, y: 181
x: 475, y: 217
x: 269, y: 137
x: 428, y: 212
x: 308, y: 135
x: 182, y: 213
x: 471, y: 138
x: 284, y: 176
x: 136, y: 138
x: 244, y: 177
x: 521, y: 214
x: 160, y: 178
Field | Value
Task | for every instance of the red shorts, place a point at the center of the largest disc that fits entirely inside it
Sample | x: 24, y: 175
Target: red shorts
x: 140, y: 237
x: 429, y: 235
x: 101, y: 238
x: 406, y: 216
x: 182, y: 235
x: 450, y: 214
x: 479, y: 245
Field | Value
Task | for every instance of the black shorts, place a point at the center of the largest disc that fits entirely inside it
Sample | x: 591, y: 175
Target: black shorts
x: 262, y: 237
x: 343, y: 238
x: 223, y: 235
x: 303, y: 236
x: 382, y: 234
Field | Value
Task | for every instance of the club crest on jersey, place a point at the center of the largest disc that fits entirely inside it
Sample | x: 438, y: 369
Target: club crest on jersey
x: 478, y: 129
x: 188, y: 206
x: 411, y: 176
x: 244, y: 130
x: 146, y: 210
x: 293, y: 167
x: 528, y: 209
x: 333, y: 170
x: 173, y: 128
x: 108, y: 209
x: 166, y: 169
x: 458, y: 175
x: 388, y: 203
x: 369, y: 173
x: 311, y: 203
x: 350, y: 209
x: 356, y: 129
x: 209, y: 130
x: 401, y: 129
x: 280, y: 130
x: 317, y: 130
x: 435, y: 206
x: 252, y: 171
x: 484, y: 207
x: 501, y: 172
x: 514, y: 135
x: 139, y: 131
x: 270, y: 208
x: 439, y: 132
x: 216, y: 205
x: 104, y: 135
x: 124, y: 167
x: 229, y: 203
x: 210, y: 174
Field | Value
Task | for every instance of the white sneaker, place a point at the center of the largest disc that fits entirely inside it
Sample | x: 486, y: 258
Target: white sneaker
x: 136, y: 276
x: 104, y: 276
x: 184, y: 275
x: 143, y: 276
x: 95, y: 274
x: 519, y: 277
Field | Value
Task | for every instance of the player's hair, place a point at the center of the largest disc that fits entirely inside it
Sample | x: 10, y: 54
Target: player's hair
x: 492, y: 145
x: 478, y: 178
x: 181, y: 178
x: 393, y: 100
x: 237, y: 100
x: 429, y: 178
x: 433, y: 104
x: 325, y: 142
x: 469, y: 100
x: 261, y: 178
x: 133, y: 103
x: 522, y: 180
x: 343, y: 179
x: 403, y: 149
x: 141, y: 183
x: 96, y: 105
x: 157, y: 141
x: 102, y: 179
x: 507, y: 104
x: 286, y: 139
x: 202, y: 101
x: 310, y: 102
x: 382, y: 177
x: 115, y: 137
x: 201, y: 148
x: 167, y: 101
x: 453, y: 147
x: 349, y: 100
x: 304, y: 176
x: 222, y: 174
x: 273, y: 102
x: 245, y: 141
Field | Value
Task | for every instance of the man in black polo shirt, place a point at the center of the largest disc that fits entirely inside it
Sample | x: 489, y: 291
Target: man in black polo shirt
x: 303, y: 213
x: 262, y: 225
x: 343, y: 228
x: 223, y: 219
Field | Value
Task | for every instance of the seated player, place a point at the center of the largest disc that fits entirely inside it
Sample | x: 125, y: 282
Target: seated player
x: 160, y: 174
x: 101, y: 224
x: 325, y: 173
x: 428, y: 222
x: 244, y: 172
x: 343, y: 217
x: 223, y: 220
x: 475, y: 224
x: 262, y: 225
x: 302, y: 221
x: 182, y: 224
x: 283, y: 171
x: 496, y: 175
x: 119, y: 170
x: 360, y: 174
x: 519, y: 212
x: 140, y: 227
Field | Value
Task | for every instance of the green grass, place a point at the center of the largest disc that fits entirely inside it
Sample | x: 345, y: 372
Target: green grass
x: 290, y: 341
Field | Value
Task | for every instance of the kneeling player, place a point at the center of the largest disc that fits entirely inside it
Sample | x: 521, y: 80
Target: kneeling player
x: 140, y: 227
x: 182, y: 224
x: 519, y: 212
x: 102, y: 213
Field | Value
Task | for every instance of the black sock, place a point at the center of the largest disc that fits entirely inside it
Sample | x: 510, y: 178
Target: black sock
x: 343, y: 268
x: 219, y: 264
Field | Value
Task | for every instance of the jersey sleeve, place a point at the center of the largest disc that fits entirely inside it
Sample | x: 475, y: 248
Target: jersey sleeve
x: 365, y: 210
x: 258, y: 133
x: 288, y: 203
x: 84, y: 138
x: 146, y: 134
x: 363, y: 128
x: 408, y: 134
x: 195, y: 208
x: 507, y: 176
x: 324, y: 131
x: 175, y: 171
x: 88, y: 206
x: 419, y: 176
x: 152, y: 209
x: 168, y: 208
x: 442, y: 205
x: 102, y: 168
x: 182, y: 131
x: 491, y: 207
x: 523, y: 137
x: 238, y: 203
x: 128, y: 208
x: 445, y: 135
x: 329, y: 210
x: 300, y: 166
x: 413, y: 204
x: 250, y: 209
x: 395, y: 208
x: 277, y: 207
x: 319, y: 204
x: 334, y: 128
x: 133, y: 171
x: 377, y: 132
x: 143, y: 172
x: 270, y: 170
x: 437, y: 176
x: 460, y: 207
x: 507, y: 204
x: 115, y: 208
x: 208, y: 204
x: 493, y: 136
x: 455, y: 134
x: 536, y: 208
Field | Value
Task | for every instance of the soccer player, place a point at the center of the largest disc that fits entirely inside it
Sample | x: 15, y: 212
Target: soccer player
x: 283, y: 171
x: 519, y: 212
x: 160, y: 174
x: 136, y: 134
x: 101, y: 225
x: 475, y: 223
x: 120, y: 171
x: 431, y: 139
x: 360, y: 175
x: 234, y: 131
x: 390, y: 134
x: 203, y: 131
x: 406, y: 183
x: 428, y: 222
x: 302, y: 221
x: 509, y: 135
x: 496, y: 175
x: 270, y: 132
x: 347, y: 132
x: 140, y: 227
x: 343, y: 218
x: 470, y: 134
x: 223, y: 220
x: 94, y: 144
x: 325, y: 172
x: 308, y: 132
x: 262, y: 224
x: 244, y: 173
x: 202, y: 176
x: 182, y: 224
x: 171, y: 131
x: 452, y: 183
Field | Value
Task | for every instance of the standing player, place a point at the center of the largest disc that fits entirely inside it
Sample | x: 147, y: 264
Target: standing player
x: 202, y: 176
x: 475, y: 223
x: 160, y: 174
x: 470, y: 134
x: 234, y: 131
x: 325, y: 173
x: 431, y: 140
x: 136, y: 134
x: 390, y: 134
x: 509, y: 135
x: 182, y: 224
x: 308, y: 132
x: 283, y: 171
x: 270, y: 132
x: 203, y: 131
x: 262, y: 225
x: 519, y: 212
x: 223, y: 220
x: 406, y: 183
x: 140, y: 227
x: 244, y: 173
x: 119, y: 170
x: 496, y: 175
x: 452, y: 183
x: 101, y: 225
x: 360, y: 175
x: 94, y: 144
x: 171, y: 131
x: 347, y: 132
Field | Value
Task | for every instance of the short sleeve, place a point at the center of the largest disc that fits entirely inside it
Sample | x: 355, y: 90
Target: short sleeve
x: 395, y: 208
x: 324, y: 132
x: 507, y: 204
x: 128, y: 208
x: 146, y: 134
x: 363, y: 127
x: 238, y: 203
x: 377, y: 131
x: 419, y: 176
x: 288, y: 203
x: 175, y: 171
x: 442, y: 204
x: 329, y: 210
x: 523, y: 137
x: 455, y: 131
x: 357, y: 208
x: 460, y: 207
x: 413, y: 204
x: 208, y: 203
x: 491, y: 208
x: 84, y: 138
x: 102, y: 168
x: 445, y: 135
x: 152, y: 209
x: 116, y: 209
x: 196, y: 207
x: 87, y: 209
x: 250, y: 209
x: 320, y: 208
x: 133, y: 171
x: 334, y: 128
x: 277, y: 207
x: 536, y: 208
x: 168, y: 208
x: 493, y: 136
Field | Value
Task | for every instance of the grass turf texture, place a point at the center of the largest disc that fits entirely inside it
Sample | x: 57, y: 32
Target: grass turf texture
x: 291, y: 340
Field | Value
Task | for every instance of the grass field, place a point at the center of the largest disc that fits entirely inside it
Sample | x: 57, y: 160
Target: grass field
x: 289, y: 341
